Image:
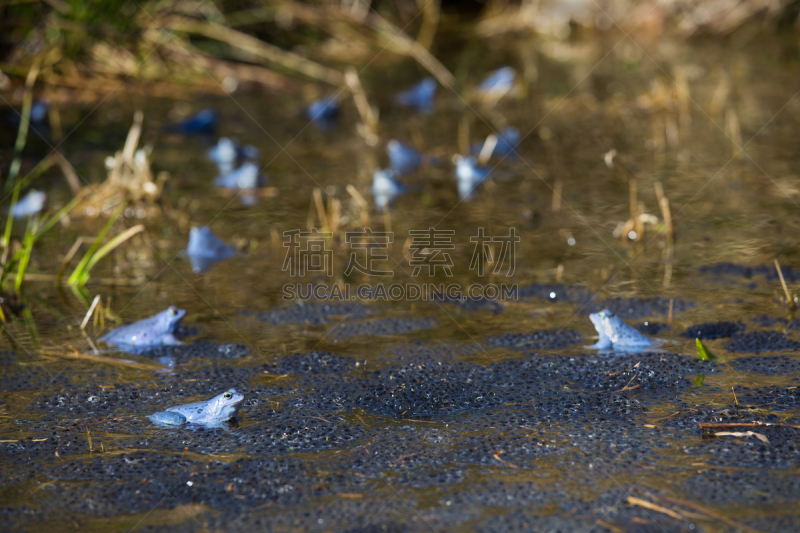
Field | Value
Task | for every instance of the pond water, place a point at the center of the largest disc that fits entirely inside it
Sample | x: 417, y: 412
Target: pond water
x: 389, y: 414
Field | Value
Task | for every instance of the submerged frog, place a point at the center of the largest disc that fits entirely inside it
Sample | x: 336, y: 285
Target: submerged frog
x: 616, y: 333
x: 205, y: 249
x: 215, y: 411
x: 158, y: 330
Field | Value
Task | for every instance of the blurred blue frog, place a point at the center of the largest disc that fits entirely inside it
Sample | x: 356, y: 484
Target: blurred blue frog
x: 507, y: 140
x: 419, y: 96
x: 203, y: 123
x: 403, y: 159
x: 247, y: 176
x: 31, y: 204
x: 323, y: 112
x: 227, y: 152
x: 497, y: 84
x: 206, y: 249
x: 469, y: 176
x: 39, y: 112
x: 385, y: 188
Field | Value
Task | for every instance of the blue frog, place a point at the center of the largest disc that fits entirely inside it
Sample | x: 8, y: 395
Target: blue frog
x: 213, y: 412
x: 469, y: 175
x: 31, y: 204
x: 403, y: 159
x: 158, y: 330
x: 206, y: 249
x: 323, y: 112
x: 497, y: 84
x: 385, y: 188
x: 247, y: 176
x: 419, y: 96
x: 204, y: 122
x: 614, y: 333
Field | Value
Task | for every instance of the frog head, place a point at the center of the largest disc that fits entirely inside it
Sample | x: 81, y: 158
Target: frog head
x: 226, y: 405
x: 601, y: 319
x: 602, y: 323
x: 170, y: 319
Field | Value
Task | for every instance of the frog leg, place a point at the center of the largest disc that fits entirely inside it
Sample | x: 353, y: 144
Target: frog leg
x: 603, y: 344
x: 168, y: 418
x: 168, y: 339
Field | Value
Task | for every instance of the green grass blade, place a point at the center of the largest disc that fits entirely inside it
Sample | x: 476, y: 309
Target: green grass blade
x: 24, y: 123
x: 10, y: 219
x: 80, y: 275
x: 113, y: 243
x: 25, y: 253
x: 27, y: 316
x: 48, y: 223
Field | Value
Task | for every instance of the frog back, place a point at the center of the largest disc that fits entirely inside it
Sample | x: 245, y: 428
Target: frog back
x: 139, y: 333
x: 193, y: 412
x: 625, y: 335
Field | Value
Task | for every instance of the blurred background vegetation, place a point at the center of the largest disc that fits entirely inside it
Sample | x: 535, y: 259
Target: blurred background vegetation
x: 159, y: 45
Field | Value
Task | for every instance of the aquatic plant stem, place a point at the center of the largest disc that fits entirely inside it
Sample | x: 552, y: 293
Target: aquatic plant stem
x: 24, y: 123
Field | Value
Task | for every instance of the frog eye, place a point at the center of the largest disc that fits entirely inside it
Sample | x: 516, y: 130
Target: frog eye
x: 227, y: 395
x: 173, y: 311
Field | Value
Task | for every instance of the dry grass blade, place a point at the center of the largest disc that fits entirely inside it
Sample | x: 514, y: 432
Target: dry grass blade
x: 369, y: 115
x: 760, y: 436
x: 90, y: 311
x: 703, y: 510
x: 258, y: 48
x: 129, y: 178
x: 653, y: 507
x: 402, y: 43
x: 488, y: 148
x: 756, y: 424
x: 79, y: 356
x: 789, y: 300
